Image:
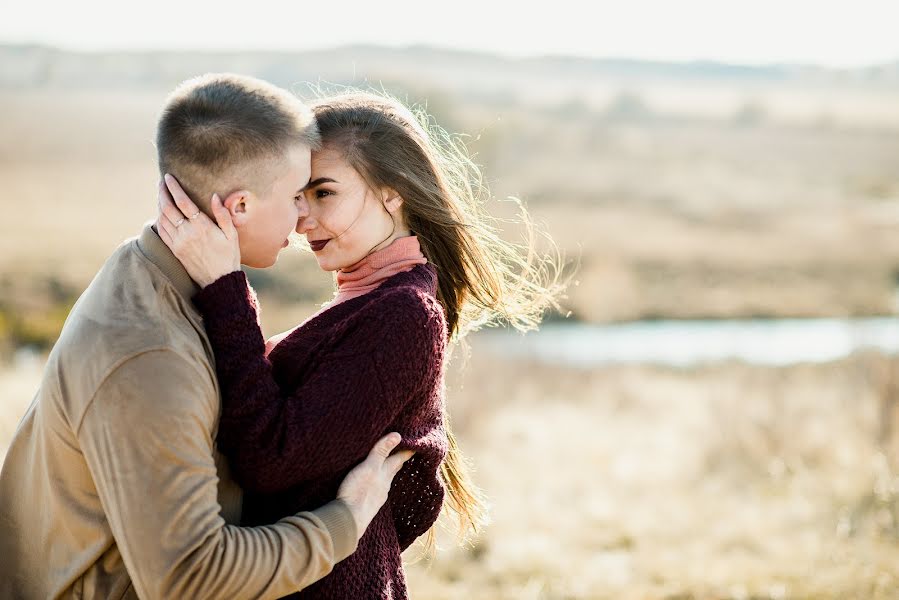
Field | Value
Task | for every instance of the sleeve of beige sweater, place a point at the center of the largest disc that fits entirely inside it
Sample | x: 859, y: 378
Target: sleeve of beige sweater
x: 147, y: 439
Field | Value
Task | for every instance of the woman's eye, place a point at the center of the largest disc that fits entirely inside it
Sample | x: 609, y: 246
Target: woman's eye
x: 322, y: 193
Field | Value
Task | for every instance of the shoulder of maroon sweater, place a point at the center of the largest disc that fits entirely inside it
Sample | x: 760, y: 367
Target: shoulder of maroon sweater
x: 405, y: 311
x: 413, y: 291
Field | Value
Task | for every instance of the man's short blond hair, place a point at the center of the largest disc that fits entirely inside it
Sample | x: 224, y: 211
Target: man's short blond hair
x: 218, y: 130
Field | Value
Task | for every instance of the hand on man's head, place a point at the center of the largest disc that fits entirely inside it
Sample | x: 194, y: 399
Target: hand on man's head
x: 208, y: 249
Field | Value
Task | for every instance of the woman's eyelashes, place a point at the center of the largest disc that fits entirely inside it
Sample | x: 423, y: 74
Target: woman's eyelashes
x: 319, y: 193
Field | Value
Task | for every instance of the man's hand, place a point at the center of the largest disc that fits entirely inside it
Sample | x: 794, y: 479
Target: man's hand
x: 365, y: 488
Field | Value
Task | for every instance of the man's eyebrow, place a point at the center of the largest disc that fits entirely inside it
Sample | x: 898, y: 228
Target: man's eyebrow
x: 317, y: 183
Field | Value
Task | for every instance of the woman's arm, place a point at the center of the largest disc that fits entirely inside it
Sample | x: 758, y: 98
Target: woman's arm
x: 416, y: 496
x: 275, y: 439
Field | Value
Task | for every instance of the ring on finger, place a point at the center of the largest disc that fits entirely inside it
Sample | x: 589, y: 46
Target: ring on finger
x: 194, y: 216
x: 181, y: 222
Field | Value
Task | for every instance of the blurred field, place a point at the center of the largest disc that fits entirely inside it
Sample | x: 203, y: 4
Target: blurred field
x: 722, y: 199
x: 646, y: 483
x: 728, y: 482
x: 690, y: 191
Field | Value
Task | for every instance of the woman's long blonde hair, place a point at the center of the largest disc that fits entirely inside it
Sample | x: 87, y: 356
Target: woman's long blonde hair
x: 482, y: 279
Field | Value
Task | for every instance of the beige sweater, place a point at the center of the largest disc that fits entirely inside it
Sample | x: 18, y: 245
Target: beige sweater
x: 112, y: 486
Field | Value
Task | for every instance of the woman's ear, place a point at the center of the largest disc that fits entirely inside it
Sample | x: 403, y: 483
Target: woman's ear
x: 392, y: 200
x: 236, y: 203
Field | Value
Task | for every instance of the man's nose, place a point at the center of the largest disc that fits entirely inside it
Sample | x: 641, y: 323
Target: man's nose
x: 302, y: 214
x: 302, y: 205
x: 304, y: 223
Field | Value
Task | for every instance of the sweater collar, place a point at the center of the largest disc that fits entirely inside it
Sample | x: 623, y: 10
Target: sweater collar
x: 422, y: 277
x: 402, y: 254
x: 160, y: 255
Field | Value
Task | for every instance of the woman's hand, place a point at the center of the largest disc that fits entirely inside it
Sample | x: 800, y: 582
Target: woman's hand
x: 208, y: 251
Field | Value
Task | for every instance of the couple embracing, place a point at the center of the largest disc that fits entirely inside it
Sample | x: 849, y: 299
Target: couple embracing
x: 172, y: 451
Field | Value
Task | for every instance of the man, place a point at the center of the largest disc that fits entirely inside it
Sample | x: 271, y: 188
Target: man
x: 112, y: 486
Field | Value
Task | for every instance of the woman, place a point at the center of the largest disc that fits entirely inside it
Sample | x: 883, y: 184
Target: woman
x: 395, y: 210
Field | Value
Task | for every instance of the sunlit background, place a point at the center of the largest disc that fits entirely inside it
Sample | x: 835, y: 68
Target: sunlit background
x: 714, y: 413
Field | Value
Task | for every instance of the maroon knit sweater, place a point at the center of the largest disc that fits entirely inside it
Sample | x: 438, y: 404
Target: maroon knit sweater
x: 294, y: 423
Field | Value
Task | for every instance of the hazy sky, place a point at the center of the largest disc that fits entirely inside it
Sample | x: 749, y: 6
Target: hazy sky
x: 827, y: 32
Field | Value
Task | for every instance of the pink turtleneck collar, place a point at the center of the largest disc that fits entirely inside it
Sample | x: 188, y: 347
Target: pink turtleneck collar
x: 401, y: 255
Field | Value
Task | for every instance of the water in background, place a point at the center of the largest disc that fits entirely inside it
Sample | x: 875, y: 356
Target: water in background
x: 773, y: 342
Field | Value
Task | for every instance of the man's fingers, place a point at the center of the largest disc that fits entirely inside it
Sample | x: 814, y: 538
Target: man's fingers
x: 183, y: 202
x: 396, y: 461
x: 385, y: 446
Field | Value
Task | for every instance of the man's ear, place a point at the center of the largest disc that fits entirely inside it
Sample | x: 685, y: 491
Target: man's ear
x: 392, y: 199
x: 236, y: 203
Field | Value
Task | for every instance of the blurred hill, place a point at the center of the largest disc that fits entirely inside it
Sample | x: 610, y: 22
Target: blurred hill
x: 693, y: 190
x: 39, y: 66
x: 864, y: 95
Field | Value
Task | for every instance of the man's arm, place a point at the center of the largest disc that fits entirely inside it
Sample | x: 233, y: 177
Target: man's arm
x: 146, y: 437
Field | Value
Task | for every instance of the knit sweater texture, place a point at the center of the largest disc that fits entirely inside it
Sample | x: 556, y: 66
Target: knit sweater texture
x: 296, y: 420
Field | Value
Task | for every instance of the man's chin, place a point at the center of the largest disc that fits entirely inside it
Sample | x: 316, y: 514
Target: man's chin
x: 261, y: 263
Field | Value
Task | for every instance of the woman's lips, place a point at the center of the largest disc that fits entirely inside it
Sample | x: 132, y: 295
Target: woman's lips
x: 319, y: 244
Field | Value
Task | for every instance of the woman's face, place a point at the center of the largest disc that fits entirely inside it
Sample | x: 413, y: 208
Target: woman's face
x: 342, y: 218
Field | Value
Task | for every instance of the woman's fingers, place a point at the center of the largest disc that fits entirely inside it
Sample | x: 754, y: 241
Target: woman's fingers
x: 176, y: 205
x: 164, y: 234
x: 167, y: 205
x: 182, y: 201
x: 207, y: 248
x: 168, y: 228
x: 223, y: 217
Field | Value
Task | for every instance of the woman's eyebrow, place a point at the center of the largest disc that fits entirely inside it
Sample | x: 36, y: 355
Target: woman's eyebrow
x: 318, y: 182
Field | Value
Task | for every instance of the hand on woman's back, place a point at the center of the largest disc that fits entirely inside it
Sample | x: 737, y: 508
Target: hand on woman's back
x: 365, y: 488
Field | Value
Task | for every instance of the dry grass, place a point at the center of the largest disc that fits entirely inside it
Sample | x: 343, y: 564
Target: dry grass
x: 638, y: 482
x: 729, y: 482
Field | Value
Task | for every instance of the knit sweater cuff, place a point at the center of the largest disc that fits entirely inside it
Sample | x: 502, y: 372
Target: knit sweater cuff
x: 231, y: 319
x: 341, y: 525
x: 224, y: 294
